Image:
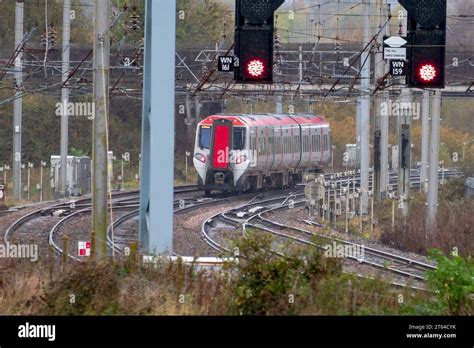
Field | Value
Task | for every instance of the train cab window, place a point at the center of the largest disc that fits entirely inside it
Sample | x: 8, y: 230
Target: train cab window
x: 238, y: 136
x: 205, y: 137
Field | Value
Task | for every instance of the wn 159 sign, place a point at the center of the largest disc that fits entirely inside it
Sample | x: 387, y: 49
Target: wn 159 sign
x: 398, y: 67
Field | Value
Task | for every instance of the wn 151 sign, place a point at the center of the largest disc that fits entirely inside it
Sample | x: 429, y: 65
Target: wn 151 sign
x: 225, y: 63
x: 398, y: 68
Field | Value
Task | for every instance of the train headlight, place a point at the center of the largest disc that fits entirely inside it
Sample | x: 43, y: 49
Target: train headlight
x: 200, y: 157
x: 241, y: 159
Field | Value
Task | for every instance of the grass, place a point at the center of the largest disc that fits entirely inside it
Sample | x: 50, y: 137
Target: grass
x: 455, y: 223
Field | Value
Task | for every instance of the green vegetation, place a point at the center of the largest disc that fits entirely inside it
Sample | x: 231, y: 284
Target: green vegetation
x: 34, y: 12
x: 453, y: 283
x: 270, y: 284
x: 302, y: 282
x: 455, y: 221
x: 198, y: 23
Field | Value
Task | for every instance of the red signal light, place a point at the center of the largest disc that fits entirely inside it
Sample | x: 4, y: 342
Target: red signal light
x: 427, y: 72
x: 255, y: 68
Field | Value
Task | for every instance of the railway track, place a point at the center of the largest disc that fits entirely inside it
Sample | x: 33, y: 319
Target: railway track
x: 388, y: 262
x: 234, y: 223
x: 215, y: 230
x: 225, y: 225
x: 122, y: 231
x: 42, y: 226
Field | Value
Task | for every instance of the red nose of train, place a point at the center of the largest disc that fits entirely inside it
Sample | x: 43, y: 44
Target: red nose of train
x: 222, y: 131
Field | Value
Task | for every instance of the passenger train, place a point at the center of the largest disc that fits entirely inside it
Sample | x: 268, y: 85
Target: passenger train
x: 251, y: 152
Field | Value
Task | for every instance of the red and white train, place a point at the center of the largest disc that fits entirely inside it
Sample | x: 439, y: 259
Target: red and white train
x: 250, y: 152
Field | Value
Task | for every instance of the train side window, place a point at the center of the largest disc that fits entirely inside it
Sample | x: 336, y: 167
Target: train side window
x: 318, y: 143
x: 238, y: 137
x: 325, y: 142
x: 205, y: 137
x: 270, y: 144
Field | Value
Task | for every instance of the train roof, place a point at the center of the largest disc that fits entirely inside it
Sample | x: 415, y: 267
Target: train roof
x: 267, y: 119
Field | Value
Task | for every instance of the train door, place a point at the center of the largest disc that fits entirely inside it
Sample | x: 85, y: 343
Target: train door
x: 221, y: 144
x: 271, y: 146
x: 253, y: 147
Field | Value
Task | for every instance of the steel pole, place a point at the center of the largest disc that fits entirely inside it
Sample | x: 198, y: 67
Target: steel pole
x: 279, y: 105
x: 28, y: 171
x: 100, y: 153
x: 379, y: 170
x: 65, y: 97
x: 156, y: 194
x: 121, y: 176
x: 432, y: 206
x: 186, y: 165
x: 425, y: 131
x: 18, y: 103
x: 41, y: 182
x: 365, y: 114
x: 358, y: 128
x: 404, y: 130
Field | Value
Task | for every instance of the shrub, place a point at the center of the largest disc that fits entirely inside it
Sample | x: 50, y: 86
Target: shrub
x: 90, y: 289
x: 453, y: 282
x: 269, y: 283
